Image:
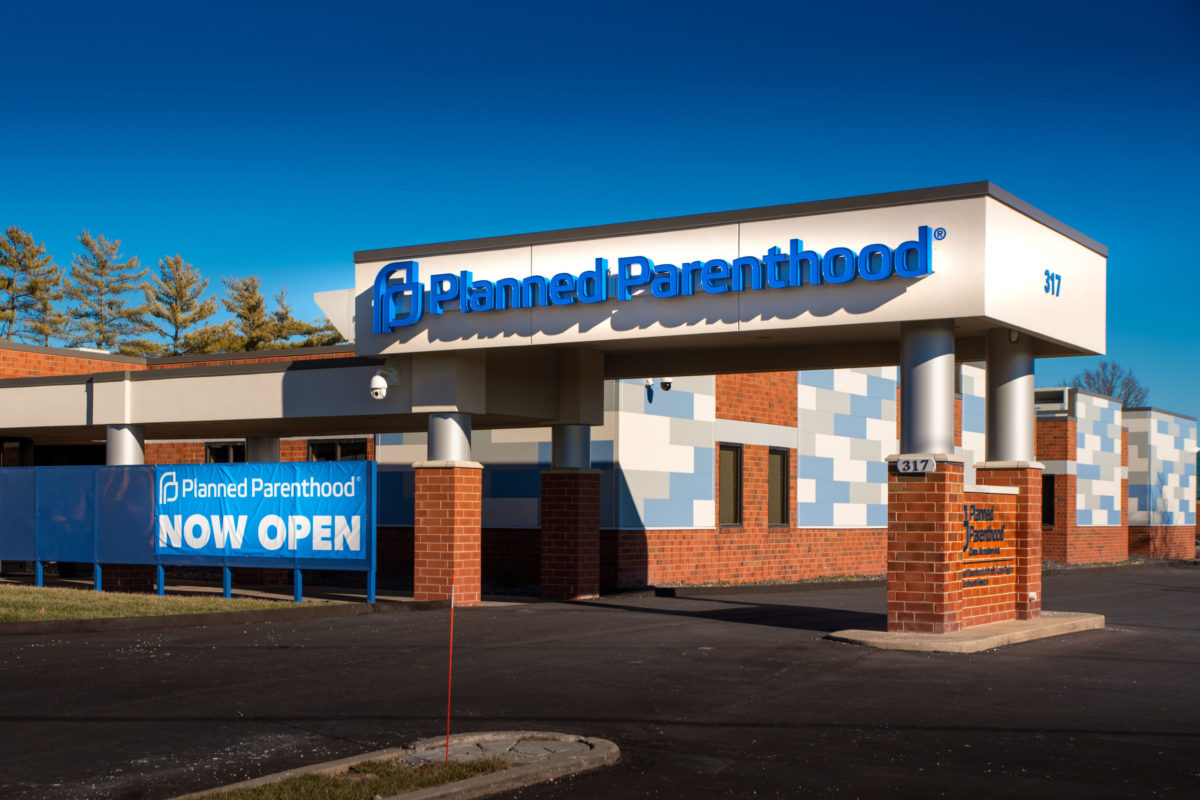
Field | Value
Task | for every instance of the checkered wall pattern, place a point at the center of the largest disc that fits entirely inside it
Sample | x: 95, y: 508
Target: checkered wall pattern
x: 973, y: 390
x: 1098, y: 470
x: 847, y: 429
x: 1162, y: 468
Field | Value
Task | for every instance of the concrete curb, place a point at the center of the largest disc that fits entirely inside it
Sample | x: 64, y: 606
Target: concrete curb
x: 323, y: 611
x: 974, y: 640
x: 602, y: 753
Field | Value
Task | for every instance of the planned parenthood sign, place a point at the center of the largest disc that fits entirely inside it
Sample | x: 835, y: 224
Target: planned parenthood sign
x: 267, y: 513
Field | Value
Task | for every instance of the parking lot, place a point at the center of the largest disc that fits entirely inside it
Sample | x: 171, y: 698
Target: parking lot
x: 729, y: 694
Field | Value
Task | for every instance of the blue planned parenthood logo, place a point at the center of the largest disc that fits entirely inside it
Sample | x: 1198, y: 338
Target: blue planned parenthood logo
x: 302, y: 510
x: 400, y: 299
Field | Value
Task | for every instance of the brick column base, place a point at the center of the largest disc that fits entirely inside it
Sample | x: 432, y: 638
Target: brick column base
x: 924, y: 551
x: 127, y: 577
x: 1026, y: 476
x: 570, y: 534
x: 446, y: 532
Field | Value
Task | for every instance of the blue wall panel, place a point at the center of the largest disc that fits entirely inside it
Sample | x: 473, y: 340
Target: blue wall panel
x: 18, y: 527
x: 66, y: 506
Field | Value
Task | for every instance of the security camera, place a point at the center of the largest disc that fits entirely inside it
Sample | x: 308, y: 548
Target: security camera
x: 380, y: 381
x: 666, y: 383
x: 378, y: 386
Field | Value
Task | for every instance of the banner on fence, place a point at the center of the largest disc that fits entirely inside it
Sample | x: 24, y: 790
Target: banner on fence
x: 292, y: 512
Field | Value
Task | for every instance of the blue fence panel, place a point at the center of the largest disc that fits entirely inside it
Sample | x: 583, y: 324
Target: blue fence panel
x: 125, y: 515
x: 66, y: 506
x: 18, y: 520
x: 316, y: 516
x: 396, y: 490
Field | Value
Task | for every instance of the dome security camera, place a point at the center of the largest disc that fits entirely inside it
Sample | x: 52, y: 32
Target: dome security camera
x: 666, y: 383
x: 380, y: 381
x: 378, y: 386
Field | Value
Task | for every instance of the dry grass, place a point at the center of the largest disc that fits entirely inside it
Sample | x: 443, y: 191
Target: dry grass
x: 31, y: 603
x: 364, y: 781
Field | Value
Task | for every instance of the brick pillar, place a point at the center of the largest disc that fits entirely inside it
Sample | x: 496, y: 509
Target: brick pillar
x: 924, y: 554
x: 1026, y: 476
x: 570, y: 534
x: 447, y: 531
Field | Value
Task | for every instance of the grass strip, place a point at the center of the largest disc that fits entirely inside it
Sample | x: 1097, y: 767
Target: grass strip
x: 32, y: 604
x: 365, y: 781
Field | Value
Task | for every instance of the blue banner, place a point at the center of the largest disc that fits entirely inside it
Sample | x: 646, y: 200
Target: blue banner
x: 269, y: 514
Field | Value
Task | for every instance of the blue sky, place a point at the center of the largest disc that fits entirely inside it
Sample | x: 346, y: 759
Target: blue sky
x: 276, y: 138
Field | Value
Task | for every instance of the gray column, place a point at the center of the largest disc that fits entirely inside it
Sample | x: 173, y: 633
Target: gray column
x: 449, y: 437
x: 262, y: 449
x: 571, y: 447
x: 927, y: 387
x: 1010, y: 418
x: 126, y: 444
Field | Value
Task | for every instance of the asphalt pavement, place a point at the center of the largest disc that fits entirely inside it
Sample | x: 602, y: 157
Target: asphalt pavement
x: 729, y: 694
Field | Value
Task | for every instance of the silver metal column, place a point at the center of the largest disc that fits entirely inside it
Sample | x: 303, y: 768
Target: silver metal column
x: 571, y: 447
x: 1010, y: 418
x: 126, y: 445
x: 927, y: 387
x: 449, y: 437
x: 262, y: 449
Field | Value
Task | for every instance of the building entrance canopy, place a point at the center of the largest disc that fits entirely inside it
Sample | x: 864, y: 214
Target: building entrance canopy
x: 809, y: 285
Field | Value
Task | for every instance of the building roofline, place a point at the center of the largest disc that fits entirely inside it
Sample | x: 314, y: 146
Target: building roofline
x: 960, y: 191
x: 72, y: 352
x: 243, y: 355
x: 1154, y: 410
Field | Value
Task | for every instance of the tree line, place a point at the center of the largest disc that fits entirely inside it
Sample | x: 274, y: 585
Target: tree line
x: 113, y: 303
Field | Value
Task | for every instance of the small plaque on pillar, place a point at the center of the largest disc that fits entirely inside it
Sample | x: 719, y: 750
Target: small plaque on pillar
x: 907, y: 464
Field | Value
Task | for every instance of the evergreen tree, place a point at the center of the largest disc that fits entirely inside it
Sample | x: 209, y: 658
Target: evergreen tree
x: 252, y: 323
x: 173, y: 299
x: 254, y: 327
x: 43, y: 319
x: 30, y: 285
x: 323, y: 334
x: 100, y: 284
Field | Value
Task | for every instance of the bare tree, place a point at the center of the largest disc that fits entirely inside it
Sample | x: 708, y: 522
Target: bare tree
x: 1111, y: 380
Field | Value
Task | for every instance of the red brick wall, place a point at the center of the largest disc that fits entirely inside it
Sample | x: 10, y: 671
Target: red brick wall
x: 767, y: 397
x: 739, y: 555
x: 570, y: 545
x: 1026, y: 535
x: 293, y: 450
x: 746, y: 553
x: 290, y: 450
x: 32, y: 362
x: 1062, y: 540
x: 174, y: 452
x: 249, y: 358
x: 1163, y: 541
x: 924, y: 550
x: 447, y: 534
x: 40, y: 362
x: 995, y: 600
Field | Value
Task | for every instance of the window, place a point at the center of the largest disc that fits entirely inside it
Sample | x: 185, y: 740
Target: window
x: 1047, y: 499
x: 777, y: 487
x: 729, y: 484
x: 337, y: 450
x: 225, y: 453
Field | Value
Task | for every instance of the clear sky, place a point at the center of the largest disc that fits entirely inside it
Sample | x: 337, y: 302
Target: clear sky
x: 276, y: 138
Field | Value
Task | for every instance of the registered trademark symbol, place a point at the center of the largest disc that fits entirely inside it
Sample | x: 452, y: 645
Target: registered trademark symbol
x: 939, y: 234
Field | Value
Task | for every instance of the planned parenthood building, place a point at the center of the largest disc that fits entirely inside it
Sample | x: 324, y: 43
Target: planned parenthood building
x: 833, y: 388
